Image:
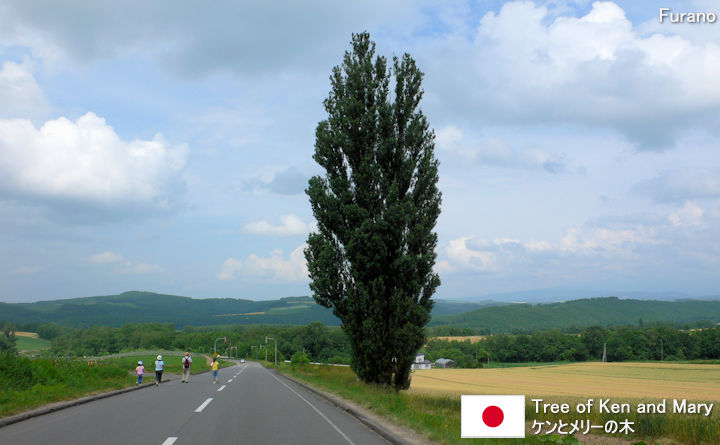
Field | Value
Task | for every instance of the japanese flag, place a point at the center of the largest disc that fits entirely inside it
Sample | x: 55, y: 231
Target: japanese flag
x: 492, y: 416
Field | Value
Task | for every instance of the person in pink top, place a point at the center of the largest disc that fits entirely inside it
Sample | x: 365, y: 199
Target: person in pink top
x: 140, y: 371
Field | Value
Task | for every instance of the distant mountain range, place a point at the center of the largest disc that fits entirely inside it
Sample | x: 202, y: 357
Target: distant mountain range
x: 143, y: 307
x: 523, y: 317
x: 559, y: 294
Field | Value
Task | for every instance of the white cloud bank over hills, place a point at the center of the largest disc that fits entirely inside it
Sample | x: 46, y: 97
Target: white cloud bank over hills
x: 273, y: 269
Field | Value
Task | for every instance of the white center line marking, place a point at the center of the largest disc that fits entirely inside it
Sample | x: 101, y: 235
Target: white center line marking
x: 229, y: 381
x: 313, y: 407
x: 169, y: 441
x: 202, y: 407
x: 221, y: 388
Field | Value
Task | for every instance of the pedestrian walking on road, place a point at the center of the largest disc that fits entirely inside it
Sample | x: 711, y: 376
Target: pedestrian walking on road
x: 215, y: 365
x: 140, y: 369
x: 159, y: 366
x: 186, y: 364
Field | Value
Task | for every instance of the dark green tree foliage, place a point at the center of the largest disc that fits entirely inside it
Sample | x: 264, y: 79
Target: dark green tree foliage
x: 7, y: 338
x: 371, y: 260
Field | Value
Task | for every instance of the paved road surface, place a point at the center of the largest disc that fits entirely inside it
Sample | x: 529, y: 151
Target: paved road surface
x: 249, y: 406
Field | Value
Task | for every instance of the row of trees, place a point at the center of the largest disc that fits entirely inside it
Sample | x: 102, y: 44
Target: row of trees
x: 318, y: 341
x: 621, y: 344
x: 330, y: 344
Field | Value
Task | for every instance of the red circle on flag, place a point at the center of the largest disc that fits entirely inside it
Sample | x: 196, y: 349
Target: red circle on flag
x: 493, y: 416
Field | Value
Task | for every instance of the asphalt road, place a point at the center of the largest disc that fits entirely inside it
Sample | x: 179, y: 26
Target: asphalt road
x: 249, y: 406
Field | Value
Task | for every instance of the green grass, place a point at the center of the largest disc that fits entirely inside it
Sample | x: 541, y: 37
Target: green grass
x: 31, y: 344
x: 437, y: 418
x: 26, y: 383
x: 173, y: 364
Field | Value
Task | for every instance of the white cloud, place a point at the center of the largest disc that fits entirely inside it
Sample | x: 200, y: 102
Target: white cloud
x: 106, y: 257
x: 85, y: 162
x: 290, y: 225
x: 690, y: 215
x: 502, y: 255
x: 127, y: 266
x: 495, y: 152
x: 192, y: 40
x: 20, y: 95
x: 142, y: 268
x: 481, y: 255
x: 605, y: 239
x: 275, y: 268
x: 597, y: 70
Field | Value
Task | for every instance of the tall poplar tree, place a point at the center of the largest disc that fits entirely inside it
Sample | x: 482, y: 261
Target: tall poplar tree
x: 372, y: 258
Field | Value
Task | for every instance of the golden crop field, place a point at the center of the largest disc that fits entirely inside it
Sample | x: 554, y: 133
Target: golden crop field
x: 589, y: 379
x: 471, y: 338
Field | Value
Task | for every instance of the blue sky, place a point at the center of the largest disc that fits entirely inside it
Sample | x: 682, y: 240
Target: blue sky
x: 166, y: 147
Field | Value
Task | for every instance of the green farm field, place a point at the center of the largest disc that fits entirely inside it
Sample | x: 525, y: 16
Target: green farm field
x: 31, y: 343
x: 587, y: 379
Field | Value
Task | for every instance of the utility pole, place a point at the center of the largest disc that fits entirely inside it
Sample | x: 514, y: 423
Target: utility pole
x: 266, y: 340
x: 662, y: 353
x: 604, y: 358
x: 215, y: 345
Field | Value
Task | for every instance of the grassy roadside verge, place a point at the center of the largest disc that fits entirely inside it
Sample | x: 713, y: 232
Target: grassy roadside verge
x: 27, y: 384
x: 30, y: 383
x: 438, y: 416
x: 435, y: 417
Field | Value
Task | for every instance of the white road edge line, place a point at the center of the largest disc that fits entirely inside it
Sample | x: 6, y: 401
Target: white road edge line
x: 313, y: 407
x: 221, y: 388
x: 205, y: 403
x: 169, y: 441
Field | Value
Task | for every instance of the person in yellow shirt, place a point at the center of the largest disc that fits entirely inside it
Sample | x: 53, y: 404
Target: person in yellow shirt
x: 215, y: 365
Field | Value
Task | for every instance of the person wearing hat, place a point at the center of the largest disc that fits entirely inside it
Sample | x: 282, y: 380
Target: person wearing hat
x: 140, y: 369
x: 159, y: 366
x: 186, y: 364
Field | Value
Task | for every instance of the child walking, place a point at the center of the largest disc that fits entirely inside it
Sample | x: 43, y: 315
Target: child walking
x: 215, y: 366
x: 140, y: 371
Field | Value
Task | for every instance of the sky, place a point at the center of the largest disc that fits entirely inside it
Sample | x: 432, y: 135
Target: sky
x: 165, y: 146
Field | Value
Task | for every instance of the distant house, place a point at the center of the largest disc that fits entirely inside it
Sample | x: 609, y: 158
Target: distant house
x: 421, y: 362
x: 444, y: 363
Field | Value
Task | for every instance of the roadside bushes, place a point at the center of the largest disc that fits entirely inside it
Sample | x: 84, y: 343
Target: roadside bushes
x: 299, y: 359
x: 15, y: 372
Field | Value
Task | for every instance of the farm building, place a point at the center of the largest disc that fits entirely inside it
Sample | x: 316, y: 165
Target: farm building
x: 421, y: 362
x: 444, y: 363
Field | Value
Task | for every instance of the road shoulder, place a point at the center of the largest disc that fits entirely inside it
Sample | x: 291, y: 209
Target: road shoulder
x: 391, y: 432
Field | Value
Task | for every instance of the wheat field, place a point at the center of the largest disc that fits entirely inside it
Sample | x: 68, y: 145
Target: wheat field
x: 591, y: 379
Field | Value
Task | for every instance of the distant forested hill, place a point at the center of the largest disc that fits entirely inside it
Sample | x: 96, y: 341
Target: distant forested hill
x: 581, y: 313
x: 140, y: 307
